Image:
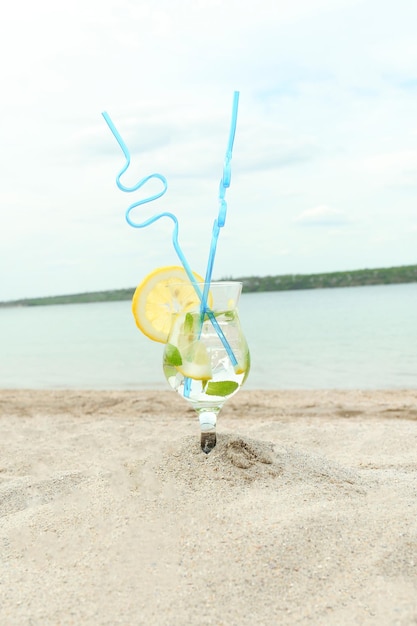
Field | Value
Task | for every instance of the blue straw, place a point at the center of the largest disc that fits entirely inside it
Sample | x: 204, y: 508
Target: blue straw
x: 220, y: 221
x: 151, y: 220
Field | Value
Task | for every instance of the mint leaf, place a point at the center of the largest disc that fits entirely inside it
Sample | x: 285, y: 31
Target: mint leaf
x: 172, y: 355
x: 188, y: 323
x: 222, y: 388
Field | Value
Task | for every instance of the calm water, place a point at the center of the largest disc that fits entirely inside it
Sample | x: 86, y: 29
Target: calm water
x: 360, y: 337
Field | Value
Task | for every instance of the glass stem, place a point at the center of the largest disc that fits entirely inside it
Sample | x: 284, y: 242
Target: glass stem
x: 207, y: 421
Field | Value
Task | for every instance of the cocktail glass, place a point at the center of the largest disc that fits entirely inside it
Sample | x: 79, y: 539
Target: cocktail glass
x: 206, y: 359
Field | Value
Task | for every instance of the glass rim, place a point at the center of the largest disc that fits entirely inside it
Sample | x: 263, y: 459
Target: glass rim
x: 212, y: 283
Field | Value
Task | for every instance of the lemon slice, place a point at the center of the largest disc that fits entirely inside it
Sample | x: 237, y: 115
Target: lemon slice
x: 243, y: 366
x: 196, y: 362
x: 154, y: 302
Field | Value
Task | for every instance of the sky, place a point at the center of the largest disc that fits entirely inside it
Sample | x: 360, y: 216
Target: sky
x: 324, y: 167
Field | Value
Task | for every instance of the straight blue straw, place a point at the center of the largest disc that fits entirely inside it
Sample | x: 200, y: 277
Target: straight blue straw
x: 220, y: 221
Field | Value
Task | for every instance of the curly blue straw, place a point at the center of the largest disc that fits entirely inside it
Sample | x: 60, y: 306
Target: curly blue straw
x: 140, y: 184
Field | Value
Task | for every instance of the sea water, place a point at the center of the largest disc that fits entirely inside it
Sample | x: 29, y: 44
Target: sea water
x: 356, y: 337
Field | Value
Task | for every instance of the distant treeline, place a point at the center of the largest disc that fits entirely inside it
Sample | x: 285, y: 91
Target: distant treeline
x: 382, y: 276
x: 287, y: 282
x: 112, y: 295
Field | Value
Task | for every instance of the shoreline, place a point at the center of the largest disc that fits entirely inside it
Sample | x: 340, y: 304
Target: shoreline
x: 268, y: 403
x: 304, y: 512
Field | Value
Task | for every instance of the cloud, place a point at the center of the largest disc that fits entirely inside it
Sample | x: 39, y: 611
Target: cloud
x: 394, y: 168
x: 328, y: 106
x: 322, y: 215
x: 270, y: 154
x: 397, y: 161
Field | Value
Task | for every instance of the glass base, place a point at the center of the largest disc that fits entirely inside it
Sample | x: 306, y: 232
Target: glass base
x: 207, y: 421
x: 208, y: 442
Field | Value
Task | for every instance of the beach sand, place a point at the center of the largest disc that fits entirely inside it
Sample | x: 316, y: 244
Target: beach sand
x: 305, y: 512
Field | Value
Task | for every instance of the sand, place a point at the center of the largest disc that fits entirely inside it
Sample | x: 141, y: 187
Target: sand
x: 305, y: 512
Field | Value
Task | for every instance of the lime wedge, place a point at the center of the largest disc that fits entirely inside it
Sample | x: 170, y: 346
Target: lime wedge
x: 196, y: 362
